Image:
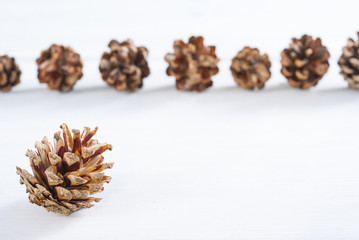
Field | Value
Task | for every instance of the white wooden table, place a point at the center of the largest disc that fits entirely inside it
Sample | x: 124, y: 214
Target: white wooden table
x: 279, y: 164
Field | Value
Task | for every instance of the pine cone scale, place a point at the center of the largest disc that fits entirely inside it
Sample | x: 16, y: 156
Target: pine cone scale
x: 40, y: 195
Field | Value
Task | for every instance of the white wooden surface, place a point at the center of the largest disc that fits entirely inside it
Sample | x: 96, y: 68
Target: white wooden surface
x: 279, y: 164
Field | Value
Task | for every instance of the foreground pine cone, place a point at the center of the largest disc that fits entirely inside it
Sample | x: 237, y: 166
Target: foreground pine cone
x: 60, y: 67
x: 125, y: 66
x: 9, y: 73
x: 192, y: 64
x: 349, y: 63
x: 66, y: 174
x: 250, y: 69
x: 305, y: 62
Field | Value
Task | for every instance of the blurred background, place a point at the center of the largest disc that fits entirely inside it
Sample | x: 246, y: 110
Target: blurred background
x: 228, y: 163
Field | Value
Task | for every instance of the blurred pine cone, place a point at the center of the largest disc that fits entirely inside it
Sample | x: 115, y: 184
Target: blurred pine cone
x: 349, y: 63
x: 192, y: 64
x: 60, y: 67
x: 66, y: 174
x: 9, y: 73
x: 125, y: 66
x: 305, y: 62
x: 250, y: 69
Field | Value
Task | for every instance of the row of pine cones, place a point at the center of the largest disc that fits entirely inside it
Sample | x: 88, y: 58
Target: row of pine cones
x: 193, y: 64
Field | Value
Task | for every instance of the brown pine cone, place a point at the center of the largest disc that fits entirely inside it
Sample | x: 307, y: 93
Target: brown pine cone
x: 68, y: 172
x: 250, y: 69
x: 349, y: 63
x: 193, y: 64
x: 125, y: 66
x: 305, y: 62
x: 60, y: 67
x: 9, y: 73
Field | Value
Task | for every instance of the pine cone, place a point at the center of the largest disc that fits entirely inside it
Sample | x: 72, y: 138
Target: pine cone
x: 349, y: 63
x: 9, y: 73
x: 125, y: 66
x: 250, y: 69
x: 60, y: 67
x: 192, y: 64
x: 66, y: 174
x: 305, y: 62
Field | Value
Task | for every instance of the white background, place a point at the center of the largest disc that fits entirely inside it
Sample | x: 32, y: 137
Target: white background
x: 279, y: 164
